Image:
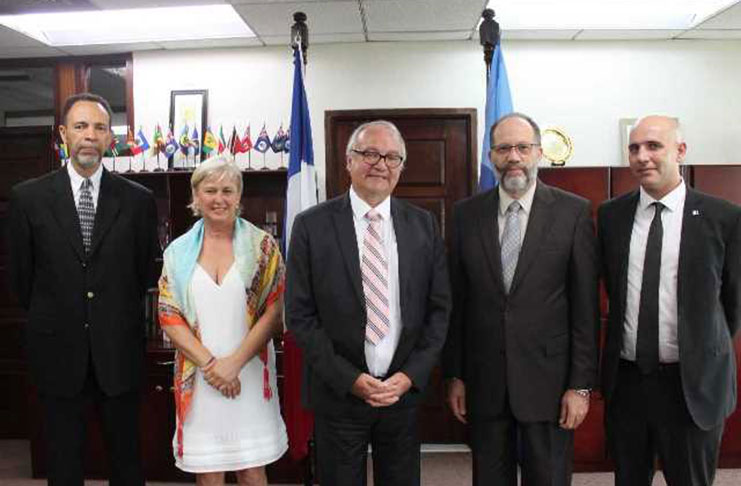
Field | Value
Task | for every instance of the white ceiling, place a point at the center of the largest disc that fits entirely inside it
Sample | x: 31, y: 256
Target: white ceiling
x: 340, y: 21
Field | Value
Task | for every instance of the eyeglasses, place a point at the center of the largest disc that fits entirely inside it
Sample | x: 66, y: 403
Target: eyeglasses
x: 372, y: 157
x: 522, y: 148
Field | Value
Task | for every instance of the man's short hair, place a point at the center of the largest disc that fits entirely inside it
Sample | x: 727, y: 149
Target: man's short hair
x: 70, y: 101
x: 522, y: 116
x: 380, y: 123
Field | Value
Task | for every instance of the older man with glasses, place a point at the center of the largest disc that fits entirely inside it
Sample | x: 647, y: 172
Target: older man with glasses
x: 522, y: 349
x: 368, y: 299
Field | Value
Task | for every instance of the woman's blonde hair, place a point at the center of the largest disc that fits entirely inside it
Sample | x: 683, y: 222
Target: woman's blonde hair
x: 217, y: 168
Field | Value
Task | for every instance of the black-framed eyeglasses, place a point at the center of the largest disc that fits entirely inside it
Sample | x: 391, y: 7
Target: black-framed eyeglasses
x: 522, y: 148
x: 371, y: 157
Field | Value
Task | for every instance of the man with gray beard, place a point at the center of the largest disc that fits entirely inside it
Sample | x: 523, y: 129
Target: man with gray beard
x: 522, y: 350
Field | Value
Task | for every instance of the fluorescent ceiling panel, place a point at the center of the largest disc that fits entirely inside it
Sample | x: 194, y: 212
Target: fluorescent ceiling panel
x: 129, y: 26
x: 604, y: 14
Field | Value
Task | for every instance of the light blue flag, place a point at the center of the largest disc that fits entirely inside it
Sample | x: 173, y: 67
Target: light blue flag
x: 498, y: 104
x: 301, y: 192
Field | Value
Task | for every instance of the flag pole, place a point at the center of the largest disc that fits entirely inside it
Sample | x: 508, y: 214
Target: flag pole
x: 300, y: 421
x: 488, y: 37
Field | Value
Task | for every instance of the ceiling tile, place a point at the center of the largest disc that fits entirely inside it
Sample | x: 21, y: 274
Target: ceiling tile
x: 12, y: 38
x: 275, y: 19
x: 730, y: 18
x: 627, y: 34
x: 16, y: 52
x: 95, y: 49
x: 276, y: 40
x: 709, y: 34
x: 539, y: 34
x: 126, y: 4
x: 207, y: 43
x: 421, y: 15
x: 419, y: 36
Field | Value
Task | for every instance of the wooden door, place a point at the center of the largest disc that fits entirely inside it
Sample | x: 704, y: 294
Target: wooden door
x: 26, y: 153
x: 441, y: 169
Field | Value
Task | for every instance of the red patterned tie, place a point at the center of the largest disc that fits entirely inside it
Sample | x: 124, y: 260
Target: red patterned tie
x: 374, y: 269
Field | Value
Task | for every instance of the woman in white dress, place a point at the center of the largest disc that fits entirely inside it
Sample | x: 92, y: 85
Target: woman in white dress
x: 221, y: 299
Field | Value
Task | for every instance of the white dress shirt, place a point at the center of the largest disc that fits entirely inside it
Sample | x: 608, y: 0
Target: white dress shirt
x: 76, y: 181
x: 671, y: 220
x: 526, y: 203
x: 378, y: 357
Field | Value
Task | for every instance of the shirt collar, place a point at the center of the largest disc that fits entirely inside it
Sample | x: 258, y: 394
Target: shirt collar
x: 76, y: 179
x: 671, y: 201
x: 526, y: 201
x: 360, y: 207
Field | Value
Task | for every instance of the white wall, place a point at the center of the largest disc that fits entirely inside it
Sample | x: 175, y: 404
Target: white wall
x: 582, y: 87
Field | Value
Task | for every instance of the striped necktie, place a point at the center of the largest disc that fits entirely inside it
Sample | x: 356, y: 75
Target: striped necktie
x: 374, y: 270
x: 86, y: 212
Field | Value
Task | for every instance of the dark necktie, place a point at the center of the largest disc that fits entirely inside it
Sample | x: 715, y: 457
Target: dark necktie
x: 647, y: 346
x: 86, y: 212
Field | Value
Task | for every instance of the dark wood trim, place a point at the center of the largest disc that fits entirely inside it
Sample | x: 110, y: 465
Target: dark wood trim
x: 130, y: 90
x: 53, y: 61
x: 332, y: 117
x: 27, y: 113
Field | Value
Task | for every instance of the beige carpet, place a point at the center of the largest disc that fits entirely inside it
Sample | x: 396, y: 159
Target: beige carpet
x: 438, y: 469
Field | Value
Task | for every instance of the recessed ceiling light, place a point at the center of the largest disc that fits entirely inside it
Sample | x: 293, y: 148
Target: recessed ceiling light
x: 130, y: 25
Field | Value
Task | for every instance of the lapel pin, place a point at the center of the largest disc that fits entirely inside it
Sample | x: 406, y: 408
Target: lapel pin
x: 695, y: 212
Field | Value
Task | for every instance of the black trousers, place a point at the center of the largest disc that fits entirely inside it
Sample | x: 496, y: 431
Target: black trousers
x: 66, y: 429
x: 647, y: 416
x: 342, y: 447
x: 543, y: 450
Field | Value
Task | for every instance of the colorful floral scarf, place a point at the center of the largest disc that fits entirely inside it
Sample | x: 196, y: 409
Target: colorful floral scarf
x: 259, y: 262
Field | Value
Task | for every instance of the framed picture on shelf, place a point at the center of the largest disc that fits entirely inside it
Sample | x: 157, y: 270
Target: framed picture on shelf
x: 188, y: 119
x: 626, y: 125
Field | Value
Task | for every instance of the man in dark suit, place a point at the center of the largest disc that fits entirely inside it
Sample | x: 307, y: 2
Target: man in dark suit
x: 522, y: 348
x: 367, y: 296
x: 82, y: 245
x: 671, y: 259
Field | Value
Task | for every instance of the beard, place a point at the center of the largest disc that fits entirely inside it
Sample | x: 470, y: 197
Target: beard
x: 87, y: 161
x: 517, y: 184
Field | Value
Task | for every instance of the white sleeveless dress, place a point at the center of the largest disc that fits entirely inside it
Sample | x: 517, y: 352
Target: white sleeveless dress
x: 222, y: 434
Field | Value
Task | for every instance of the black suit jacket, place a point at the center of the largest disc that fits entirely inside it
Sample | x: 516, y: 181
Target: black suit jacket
x: 325, y: 305
x: 81, y: 306
x: 541, y: 339
x: 708, y: 298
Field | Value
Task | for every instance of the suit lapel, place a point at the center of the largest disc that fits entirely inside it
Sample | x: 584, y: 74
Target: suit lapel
x: 65, y: 211
x: 343, y: 220
x: 624, y: 230
x: 489, y: 233
x: 404, y: 237
x: 107, y: 209
x: 538, y: 224
x: 691, y: 220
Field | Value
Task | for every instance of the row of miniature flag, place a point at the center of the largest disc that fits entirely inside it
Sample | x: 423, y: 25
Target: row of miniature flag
x: 189, y: 142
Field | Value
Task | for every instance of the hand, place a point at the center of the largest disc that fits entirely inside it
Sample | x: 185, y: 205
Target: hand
x: 394, y: 387
x: 221, y: 372
x: 232, y: 390
x: 365, y: 386
x: 457, y: 399
x: 574, y: 408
